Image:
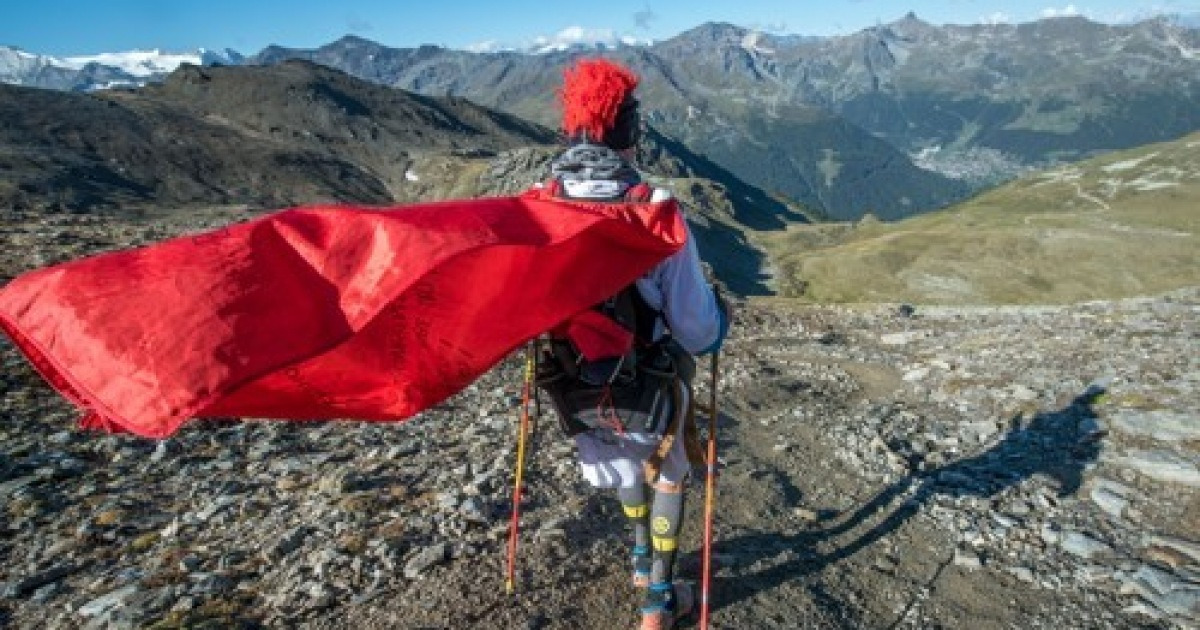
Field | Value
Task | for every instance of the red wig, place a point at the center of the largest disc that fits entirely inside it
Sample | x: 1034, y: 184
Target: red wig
x: 592, y: 92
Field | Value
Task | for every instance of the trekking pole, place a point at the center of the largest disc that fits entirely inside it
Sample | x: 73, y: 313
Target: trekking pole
x: 710, y: 490
x: 522, y: 435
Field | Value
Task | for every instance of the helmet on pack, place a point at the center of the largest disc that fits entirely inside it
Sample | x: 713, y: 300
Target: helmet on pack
x: 598, y: 104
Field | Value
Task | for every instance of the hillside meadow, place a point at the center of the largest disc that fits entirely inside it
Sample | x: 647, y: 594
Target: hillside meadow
x: 1120, y: 225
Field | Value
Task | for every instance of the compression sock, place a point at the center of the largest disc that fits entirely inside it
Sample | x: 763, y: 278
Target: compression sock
x: 633, y: 502
x: 666, y: 517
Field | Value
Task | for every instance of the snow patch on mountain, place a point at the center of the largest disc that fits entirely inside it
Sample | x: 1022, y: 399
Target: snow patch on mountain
x: 1185, y: 51
x: 1053, y: 12
x: 147, y: 63
x: 752, y: 43
x: 580, y: 37
x: 101, y: 71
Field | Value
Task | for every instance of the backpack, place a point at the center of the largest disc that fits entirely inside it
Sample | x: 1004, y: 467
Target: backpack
x: 601, y: 369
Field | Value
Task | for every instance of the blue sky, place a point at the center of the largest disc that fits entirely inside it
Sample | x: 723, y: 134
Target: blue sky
x: 77, y: 27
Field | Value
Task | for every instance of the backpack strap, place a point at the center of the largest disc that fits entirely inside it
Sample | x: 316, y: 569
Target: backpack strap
x: 645, y: 316
x: 691, y: 436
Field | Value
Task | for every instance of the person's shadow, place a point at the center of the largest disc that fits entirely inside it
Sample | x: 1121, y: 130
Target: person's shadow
x: 1057, y: 444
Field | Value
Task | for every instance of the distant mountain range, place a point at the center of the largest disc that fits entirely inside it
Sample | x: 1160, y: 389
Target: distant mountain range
x: 106, y: 70
x: 892, y: 121
x: 837, y: 123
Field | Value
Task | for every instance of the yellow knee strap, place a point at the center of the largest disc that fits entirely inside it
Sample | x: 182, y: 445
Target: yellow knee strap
x: 636, y: 511
x: 664, y: 543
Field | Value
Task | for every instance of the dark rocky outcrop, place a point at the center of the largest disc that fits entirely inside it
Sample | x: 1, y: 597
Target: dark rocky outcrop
x: 288, y: 134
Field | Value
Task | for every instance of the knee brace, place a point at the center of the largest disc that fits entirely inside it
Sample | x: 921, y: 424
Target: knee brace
x: 666, y: 518
x: 633, y: 503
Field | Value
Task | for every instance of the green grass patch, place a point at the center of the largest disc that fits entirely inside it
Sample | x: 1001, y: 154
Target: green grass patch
x: 1121, y: 225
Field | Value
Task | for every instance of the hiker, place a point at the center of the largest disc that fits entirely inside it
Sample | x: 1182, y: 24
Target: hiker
x: 628, y: 414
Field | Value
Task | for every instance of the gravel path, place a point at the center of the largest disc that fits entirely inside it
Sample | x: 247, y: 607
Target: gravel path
x: 882, y: 467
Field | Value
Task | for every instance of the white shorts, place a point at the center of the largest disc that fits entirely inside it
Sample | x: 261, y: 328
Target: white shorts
x: 611, y: 460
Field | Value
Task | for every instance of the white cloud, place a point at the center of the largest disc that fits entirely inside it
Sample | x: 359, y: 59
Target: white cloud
x: 575, y: 36
x: 1070, y: 11
x: 489, y: 46
x: 997, y: 18
x: 567, y: 38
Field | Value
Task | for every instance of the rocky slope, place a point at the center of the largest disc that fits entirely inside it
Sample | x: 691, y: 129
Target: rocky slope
x: 293, y: 133
x: 882, y: 467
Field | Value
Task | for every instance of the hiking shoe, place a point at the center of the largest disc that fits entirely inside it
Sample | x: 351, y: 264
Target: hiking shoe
x: 666, y: 604
x: 642, y: 561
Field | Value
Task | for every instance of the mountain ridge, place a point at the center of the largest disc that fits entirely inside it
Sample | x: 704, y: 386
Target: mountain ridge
x: 293, y: 133
x: 772, y: 152
x: 893, y: 120
x: 977, y: 104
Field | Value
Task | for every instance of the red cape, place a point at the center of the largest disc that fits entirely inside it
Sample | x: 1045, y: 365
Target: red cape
x: 324, y: 312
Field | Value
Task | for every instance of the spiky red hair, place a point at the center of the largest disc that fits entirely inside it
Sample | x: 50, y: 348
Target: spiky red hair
x: 592, y: 92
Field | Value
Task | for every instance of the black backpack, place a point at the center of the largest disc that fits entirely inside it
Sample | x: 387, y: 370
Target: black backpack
x: 630, y: 392
x: 627, y: 392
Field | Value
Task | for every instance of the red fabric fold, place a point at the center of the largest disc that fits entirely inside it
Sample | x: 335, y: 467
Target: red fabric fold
x: 597, y: 336
x: 324, y: 312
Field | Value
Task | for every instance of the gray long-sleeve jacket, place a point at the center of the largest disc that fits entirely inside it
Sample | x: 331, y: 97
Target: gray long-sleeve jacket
x: 676, y: 287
